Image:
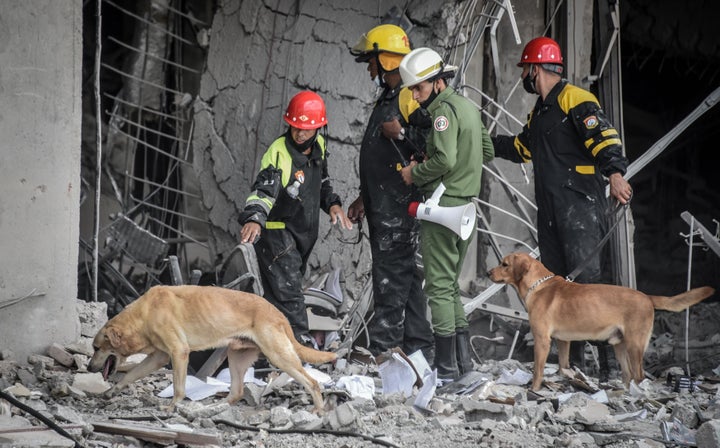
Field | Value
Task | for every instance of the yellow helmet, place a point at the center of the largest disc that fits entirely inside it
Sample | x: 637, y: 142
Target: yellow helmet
x: 388, y: 38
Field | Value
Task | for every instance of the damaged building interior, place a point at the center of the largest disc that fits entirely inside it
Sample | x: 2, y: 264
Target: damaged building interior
x: 178, y: 99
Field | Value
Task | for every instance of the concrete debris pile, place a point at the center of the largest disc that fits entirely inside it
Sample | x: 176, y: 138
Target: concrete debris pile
x: 54, y: 401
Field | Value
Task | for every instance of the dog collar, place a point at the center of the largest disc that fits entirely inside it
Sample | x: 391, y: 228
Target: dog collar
x: 538, y: 283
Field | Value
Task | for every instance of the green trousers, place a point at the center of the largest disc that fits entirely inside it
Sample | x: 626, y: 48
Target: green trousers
x: 443, y: 252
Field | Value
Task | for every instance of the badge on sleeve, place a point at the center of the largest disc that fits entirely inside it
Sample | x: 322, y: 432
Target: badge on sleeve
x: 591, y: 122
x: 441, y: 123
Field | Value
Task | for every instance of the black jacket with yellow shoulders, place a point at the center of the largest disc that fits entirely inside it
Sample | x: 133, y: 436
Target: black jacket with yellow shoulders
x: 570, y: 141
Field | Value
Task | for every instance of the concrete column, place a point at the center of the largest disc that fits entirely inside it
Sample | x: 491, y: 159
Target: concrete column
x: 40, y: 76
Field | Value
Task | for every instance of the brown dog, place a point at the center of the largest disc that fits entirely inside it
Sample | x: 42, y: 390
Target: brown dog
x: 169, y: 322
x: 567, y: 311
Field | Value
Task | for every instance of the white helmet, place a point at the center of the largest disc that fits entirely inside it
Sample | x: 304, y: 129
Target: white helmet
x: 422, y: 64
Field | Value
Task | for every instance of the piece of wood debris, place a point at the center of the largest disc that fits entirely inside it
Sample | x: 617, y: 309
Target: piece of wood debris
x: 158, y: 435
x: 580, y: 384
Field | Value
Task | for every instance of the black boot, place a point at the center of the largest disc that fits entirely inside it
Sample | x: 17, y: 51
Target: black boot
x: 577, y: 354
x: 463, y: 352
x: 604, y: 355
x: 445, y: 358
x: 429, y: 354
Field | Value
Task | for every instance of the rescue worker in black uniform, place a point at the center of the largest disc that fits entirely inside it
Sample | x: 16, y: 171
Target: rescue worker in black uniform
x: 395, y: 133
x: 574, y: 149
x: 292, y: 185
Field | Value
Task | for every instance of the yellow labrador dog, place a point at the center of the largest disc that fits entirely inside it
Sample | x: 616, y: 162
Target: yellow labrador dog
x: 169, y: 322
x: 567, y: 311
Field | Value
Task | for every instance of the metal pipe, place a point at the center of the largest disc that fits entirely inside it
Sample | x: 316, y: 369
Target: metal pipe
x: 143, y: 108
x: 154, y: 131
x: 98, y: 151
x: 143, y: 81
x: 145, y: 53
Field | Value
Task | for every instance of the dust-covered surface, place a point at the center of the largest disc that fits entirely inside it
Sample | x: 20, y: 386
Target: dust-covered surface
x: 486, y: 409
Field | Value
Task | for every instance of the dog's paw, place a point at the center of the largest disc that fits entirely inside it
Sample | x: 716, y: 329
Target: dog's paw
x: 110, y: 392
x: 342, y: 352
x: 320, y: 412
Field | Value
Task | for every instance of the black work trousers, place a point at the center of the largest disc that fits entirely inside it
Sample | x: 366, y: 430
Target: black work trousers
x: 399, y: 304
x: 282, y: 266
x: 568, y: 234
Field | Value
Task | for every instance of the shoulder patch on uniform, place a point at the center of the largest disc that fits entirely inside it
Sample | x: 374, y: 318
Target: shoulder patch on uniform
x: 591, y: 122
x: 440, y: 123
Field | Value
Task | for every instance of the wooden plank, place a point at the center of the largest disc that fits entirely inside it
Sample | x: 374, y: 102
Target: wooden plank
x: 212, y: 364
x: 158, y: 435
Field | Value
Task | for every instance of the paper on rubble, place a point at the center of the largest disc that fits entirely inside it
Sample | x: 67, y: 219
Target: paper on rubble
x: 196, y: 389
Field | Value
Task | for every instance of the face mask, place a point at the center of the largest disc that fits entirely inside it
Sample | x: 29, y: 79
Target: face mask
x: 529, y: 83
x: 430, y: 99
x: 300, y: 147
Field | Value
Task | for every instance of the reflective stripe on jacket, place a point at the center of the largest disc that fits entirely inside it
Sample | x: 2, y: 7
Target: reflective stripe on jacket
x: 270, y: 205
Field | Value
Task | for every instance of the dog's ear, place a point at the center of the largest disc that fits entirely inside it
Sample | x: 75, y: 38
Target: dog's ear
x: 521, y: 266
x: 115, y: 336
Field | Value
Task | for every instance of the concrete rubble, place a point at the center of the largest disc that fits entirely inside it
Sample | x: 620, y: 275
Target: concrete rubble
x: 493, y: 407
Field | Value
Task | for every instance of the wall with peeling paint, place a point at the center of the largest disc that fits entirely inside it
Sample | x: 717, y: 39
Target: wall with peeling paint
x: 40, y: 56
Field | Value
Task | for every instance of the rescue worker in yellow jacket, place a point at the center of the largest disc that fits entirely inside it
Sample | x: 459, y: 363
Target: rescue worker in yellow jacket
x: 575, y: 152
x: 282, y: 210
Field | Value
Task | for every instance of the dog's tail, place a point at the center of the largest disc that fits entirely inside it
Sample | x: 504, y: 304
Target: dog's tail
x: 682, y: 301
x: 308, y: 354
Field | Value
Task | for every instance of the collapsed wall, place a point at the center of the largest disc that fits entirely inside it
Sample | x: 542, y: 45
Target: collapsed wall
x: 260, y: 55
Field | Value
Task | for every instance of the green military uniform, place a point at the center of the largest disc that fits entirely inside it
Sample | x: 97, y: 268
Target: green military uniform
x: 456, y: 149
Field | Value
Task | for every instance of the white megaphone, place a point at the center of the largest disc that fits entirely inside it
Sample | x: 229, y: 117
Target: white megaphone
x: 459, y: 219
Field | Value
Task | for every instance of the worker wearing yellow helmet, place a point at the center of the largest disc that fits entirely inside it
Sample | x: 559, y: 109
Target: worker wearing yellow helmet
x: 395, y: 134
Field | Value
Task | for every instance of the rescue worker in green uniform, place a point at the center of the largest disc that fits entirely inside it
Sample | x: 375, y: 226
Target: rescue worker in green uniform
x: 282, y: 210
x: 397, y: 129
x: 574, y: 149
x: 457, y: 146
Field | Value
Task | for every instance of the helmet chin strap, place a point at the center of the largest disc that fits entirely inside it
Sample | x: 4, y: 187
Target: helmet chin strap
x: 381, y: 71
x: 381, y: 79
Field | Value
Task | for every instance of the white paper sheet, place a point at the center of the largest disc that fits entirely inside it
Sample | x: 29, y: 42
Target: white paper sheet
x: 397, y: 376
x: 358, y: 386
x: 427, y: 391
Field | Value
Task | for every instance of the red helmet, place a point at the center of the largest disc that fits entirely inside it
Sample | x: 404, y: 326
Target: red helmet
x: 541, y: 50
x: 306, y: 111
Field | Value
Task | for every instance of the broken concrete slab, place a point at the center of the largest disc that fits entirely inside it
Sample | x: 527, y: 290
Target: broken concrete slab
x: 18, y: 432
x: 90, y: 382
x: 708, y: 434
x: 59, y: 354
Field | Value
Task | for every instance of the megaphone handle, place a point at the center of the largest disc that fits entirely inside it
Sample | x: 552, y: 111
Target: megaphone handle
x: 435, y: 198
